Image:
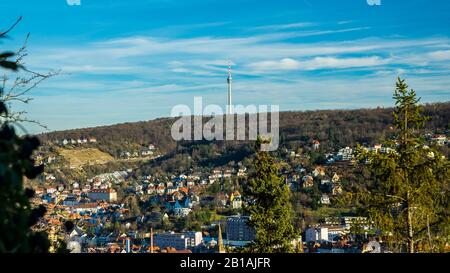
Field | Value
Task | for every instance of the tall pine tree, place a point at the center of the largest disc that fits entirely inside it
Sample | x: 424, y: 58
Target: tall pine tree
x: 408, y: 199
x: 269, y: 206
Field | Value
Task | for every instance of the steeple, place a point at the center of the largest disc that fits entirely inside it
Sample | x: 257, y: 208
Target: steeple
x: 220, y: 241
x: 229, y: 80
x: 151, y: 240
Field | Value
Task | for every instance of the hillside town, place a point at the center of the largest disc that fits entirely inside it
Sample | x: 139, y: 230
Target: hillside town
x: 126, y: 211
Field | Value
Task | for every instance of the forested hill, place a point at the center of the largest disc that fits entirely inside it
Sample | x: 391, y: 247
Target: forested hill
x: 334, y: 128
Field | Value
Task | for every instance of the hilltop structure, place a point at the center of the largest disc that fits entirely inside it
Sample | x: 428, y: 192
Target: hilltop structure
x: 229, y: 80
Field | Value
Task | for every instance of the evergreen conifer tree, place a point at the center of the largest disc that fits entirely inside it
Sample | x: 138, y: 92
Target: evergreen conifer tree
x: 408, y: 200
x: 269, y: 206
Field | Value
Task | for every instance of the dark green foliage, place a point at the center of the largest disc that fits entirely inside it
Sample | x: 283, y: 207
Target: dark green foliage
x: 16, y: 215
x: 270, y: 208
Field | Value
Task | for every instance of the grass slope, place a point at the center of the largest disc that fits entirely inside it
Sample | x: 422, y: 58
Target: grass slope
x: 86, y: 156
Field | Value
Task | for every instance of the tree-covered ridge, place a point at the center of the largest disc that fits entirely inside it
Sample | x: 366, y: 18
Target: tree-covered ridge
x: 334, y: 128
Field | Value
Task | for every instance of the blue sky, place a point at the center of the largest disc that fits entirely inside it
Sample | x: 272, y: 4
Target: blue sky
x: 134, y: 60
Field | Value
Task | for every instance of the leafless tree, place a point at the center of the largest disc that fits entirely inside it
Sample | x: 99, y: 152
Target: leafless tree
x: 16, y: 87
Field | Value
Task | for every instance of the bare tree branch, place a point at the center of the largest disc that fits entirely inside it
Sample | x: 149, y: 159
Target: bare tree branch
x: 18, y: 89
x: 3, y: 34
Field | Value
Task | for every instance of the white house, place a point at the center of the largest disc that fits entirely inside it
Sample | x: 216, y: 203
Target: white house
x: 325, y: 199
x: 316, y: 144
x: 316, y: 234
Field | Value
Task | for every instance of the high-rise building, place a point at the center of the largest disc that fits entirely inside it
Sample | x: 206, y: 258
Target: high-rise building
x: 239, y: 230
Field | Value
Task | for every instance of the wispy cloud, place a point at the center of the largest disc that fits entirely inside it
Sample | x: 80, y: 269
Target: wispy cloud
x: 441, y: 55
x: 168, y: 59
x: 284, y: 26
x: 317, y: 63
x: 144, y: 76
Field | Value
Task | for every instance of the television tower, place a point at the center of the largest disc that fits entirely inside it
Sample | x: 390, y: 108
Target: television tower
x: 229, y: 79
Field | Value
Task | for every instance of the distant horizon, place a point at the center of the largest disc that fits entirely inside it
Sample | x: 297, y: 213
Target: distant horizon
x: 127, y: 62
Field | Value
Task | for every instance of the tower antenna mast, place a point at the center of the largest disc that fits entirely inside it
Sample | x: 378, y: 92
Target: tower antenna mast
x: 229, y: 80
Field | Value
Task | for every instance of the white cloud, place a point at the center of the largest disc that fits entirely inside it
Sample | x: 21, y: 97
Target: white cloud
x: 317, y: 63
x: 441, y: 55
x: 332, y: 62
x: 98, y: 69
x: 145, y: 75
x: 283, y: 64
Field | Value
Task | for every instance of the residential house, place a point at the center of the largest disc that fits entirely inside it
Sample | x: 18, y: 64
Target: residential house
x: 51, y: 190
x: 180, y: 208
x: 440, y: 140
x: 337, y: 189
x: 160, y: 189
x: 325, y: 180
x: 171, y: 190
x: 316, y: 144
x: 50, y: 177
x: 334, y: 232
x: 345, y: 154
x: 223, y: 199
x: 242, y: 172
x: 86, y: 208
x: 227, y: 173
x: 151, y: 189
x: 319, y: 171
x: 335, y: 178
x: 316, y: 234
x: 325, y: 199
x: 308, y: 181
x: 236, y: 200
x: 146, y: 152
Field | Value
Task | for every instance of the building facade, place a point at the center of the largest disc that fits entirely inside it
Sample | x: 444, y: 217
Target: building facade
x: 179, y: 241
x: 108, y: 195
x: 238, y: 229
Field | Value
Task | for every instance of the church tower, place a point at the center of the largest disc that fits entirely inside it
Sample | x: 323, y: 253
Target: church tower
x: 220, y: 241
